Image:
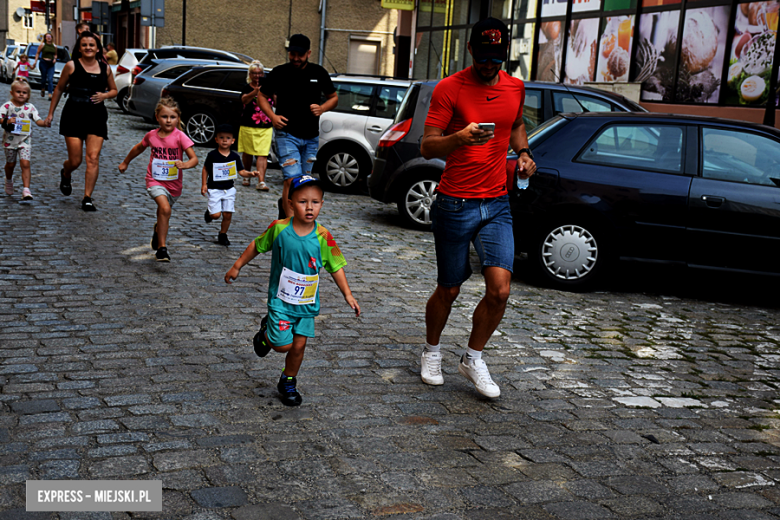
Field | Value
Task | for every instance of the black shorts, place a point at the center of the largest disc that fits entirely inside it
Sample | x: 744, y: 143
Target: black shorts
x: 80, y: 119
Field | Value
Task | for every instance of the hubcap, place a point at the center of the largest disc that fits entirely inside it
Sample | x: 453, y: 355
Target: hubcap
x: 342, y: 169
x: 569, y: 252
x: 419, y: 201
x: 200, y: 128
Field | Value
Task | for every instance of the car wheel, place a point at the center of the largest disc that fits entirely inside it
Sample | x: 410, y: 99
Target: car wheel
x: 200, y: 127
x: 571, y: 256
x: 121, y: 100
x: 416, y: 201
x: 344, y: 167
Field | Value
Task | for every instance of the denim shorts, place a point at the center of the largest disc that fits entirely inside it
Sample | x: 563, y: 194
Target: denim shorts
x: 281, y: 328
x: 296, y: 155
x: 487, y: 223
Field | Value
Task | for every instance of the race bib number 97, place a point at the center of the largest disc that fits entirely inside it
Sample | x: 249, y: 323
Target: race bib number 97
x: 225, y: 171
x: 296, y: 288
x: 163, y: 170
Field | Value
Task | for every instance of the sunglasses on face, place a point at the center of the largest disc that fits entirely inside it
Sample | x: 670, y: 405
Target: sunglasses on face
x: 496, y: 61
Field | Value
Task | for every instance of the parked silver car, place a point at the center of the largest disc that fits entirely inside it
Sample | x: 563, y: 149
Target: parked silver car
x: 123, y: 75
x: 7, y: 52
x: 9, y: 63
x: 349, y: 133
x: 148, y: 84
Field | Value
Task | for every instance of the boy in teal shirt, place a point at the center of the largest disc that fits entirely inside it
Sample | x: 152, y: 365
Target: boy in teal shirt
x: 299, y: 247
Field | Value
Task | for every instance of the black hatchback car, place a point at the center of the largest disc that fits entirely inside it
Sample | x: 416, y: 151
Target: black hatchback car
x: 403, y: 176
x: 208, y: 97
x: 691, y: 191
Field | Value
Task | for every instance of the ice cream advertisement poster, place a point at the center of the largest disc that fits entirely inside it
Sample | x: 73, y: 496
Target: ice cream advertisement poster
x: 752, y: 50
x: 614, y: 57
x: 702, y: 54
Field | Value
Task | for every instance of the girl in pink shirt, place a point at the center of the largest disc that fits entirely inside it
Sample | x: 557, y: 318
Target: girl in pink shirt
x: 163, y: 175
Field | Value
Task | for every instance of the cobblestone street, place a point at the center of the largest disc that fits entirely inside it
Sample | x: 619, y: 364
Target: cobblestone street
x: 644, y: 401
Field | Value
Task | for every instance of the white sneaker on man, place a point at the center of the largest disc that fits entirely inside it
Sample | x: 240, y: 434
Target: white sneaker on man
x: 476, y: 371
x: 430, y: 368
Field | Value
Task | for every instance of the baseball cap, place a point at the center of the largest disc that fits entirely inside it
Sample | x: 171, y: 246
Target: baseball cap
x: 299, y: 43
x: 489, y: 39
x: 225, y: 128
x: 302, y: 182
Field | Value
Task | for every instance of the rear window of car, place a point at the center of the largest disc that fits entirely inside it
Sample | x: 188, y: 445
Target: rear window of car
x: 173, y: 72
x: 637, y: 146
x: 235, y: 81
x: 210, y: 79
x: 568, y: 102
x: 354, y: 98
x: 390, y: 98
x: 408, y: 105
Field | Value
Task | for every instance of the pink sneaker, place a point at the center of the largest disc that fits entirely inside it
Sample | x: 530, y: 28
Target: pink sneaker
x: 26, y: 194
x: 9, y: 187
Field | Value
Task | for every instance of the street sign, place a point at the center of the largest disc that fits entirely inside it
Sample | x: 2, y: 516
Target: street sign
x: 37, y: 6
x: 153, y: 13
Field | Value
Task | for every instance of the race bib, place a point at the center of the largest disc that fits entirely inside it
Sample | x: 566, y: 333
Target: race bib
x: 22, y: 67
x: 22, y: 127
x: 225, y: 171
x: 296, y: 288
x: 164, y: 170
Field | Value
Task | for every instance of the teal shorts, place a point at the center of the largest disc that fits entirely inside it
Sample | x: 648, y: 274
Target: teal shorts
x: 281, y: 328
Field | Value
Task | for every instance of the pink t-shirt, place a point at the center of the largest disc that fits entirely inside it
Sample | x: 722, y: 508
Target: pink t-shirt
x: 170, y: 148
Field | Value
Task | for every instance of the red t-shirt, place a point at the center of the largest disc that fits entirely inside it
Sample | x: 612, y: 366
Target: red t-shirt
x: 476, y: 172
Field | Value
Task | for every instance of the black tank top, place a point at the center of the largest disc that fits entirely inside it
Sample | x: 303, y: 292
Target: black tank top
x: 82, y: 85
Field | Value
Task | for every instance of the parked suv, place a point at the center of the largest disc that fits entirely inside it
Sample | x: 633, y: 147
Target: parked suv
x: 193, y: 53
x: 63, y: 56
x: 349, y: 133
x: 403, y: 176
x: 208, y: 96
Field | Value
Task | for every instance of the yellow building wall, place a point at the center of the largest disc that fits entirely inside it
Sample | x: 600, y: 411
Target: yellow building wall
x: 16, y: 29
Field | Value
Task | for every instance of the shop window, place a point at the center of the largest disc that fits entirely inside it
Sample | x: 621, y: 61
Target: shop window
x: 581, y: 52
x: 521, y: 50
x: 618, y: 5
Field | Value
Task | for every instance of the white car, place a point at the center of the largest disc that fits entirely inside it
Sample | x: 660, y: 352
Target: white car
x: 7, y: 53
x: 350, y: 132
x: 123, y: 75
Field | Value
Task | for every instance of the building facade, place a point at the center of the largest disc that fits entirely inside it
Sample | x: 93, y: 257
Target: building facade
x: 709, y: 57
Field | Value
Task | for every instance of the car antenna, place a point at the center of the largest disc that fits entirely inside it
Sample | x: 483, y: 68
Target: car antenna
x: 569, y: 91
x: 329, y: 62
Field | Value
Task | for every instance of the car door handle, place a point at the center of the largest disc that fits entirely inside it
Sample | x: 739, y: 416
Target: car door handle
x: 375, y: 129
x: 713, y: 202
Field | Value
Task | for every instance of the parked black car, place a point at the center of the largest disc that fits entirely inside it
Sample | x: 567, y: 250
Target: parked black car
x: 403, y: 176
x: 187, y: 52
x: 208, y: 96
x: 691, y: 191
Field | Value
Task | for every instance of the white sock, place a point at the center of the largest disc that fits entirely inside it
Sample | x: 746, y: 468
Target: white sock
x: 432, y: 348
x: 472, y: 355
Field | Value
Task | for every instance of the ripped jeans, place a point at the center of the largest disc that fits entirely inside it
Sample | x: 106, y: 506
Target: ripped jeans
x: 296, y: 155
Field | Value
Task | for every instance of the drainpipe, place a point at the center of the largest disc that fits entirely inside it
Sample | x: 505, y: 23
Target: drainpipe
x: 323, y: 11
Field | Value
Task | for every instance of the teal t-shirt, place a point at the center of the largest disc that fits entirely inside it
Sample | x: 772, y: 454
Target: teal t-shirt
x: 303, y: 256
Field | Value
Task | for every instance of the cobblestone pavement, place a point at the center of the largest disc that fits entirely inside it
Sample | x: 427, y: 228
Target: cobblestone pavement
x: 646, y: 401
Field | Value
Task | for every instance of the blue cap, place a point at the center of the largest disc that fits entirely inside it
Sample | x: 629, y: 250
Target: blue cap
x: 302, y: 182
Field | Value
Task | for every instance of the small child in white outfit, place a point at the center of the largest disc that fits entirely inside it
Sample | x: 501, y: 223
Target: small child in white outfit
x: 17, y: 116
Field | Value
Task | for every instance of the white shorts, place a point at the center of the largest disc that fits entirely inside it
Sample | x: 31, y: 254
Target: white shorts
x: 222, y: 200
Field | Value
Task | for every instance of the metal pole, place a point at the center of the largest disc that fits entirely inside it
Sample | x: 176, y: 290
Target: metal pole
x: 322, y: 30
x: 413, y: 41
x: 184, y: 22
x: 769, y: 113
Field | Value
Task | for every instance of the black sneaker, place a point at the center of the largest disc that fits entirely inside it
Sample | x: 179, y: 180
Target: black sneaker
x: 155, y: 243
x: 207, y: 217
x: 87, y: 205
x: 262, y: 348
x: 290, y: 395
x: 162, y: 255
x: 222, y: 239
x: 65, y: 187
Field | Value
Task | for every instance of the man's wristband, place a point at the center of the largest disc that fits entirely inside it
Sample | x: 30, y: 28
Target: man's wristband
x: 525, y: 150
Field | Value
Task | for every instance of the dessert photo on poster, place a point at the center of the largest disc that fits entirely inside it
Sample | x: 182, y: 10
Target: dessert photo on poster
x: 614, y: 56
x: 550, y: 51
x: 752, y: 49
x: 702, y: 54
x: 582, y: 51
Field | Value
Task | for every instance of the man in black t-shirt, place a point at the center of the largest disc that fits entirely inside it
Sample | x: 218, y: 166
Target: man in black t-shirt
x: 299, y: 87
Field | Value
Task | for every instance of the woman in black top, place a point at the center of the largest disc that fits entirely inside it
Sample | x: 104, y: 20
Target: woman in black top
x: 89, y: 82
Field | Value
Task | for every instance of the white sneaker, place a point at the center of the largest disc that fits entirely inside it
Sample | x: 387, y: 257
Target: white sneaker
x: 430, y: 368
x: 477, y: 373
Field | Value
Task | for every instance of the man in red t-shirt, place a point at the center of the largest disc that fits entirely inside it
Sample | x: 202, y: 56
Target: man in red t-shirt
x: 472, y: 204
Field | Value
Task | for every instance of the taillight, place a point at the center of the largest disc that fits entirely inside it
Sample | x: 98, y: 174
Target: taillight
x: 137, y: 70
x: 121, y: 70
x: 138, y: 80
x: 164, y: 93
x: 395, y: 133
